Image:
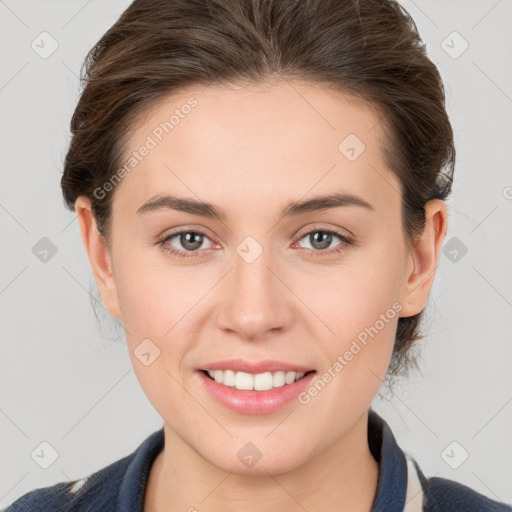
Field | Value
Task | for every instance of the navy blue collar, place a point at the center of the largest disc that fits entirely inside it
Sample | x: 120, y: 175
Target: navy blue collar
x: 135, y: 479
x: 392, y: 486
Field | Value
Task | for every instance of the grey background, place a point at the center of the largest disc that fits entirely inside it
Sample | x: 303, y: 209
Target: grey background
x: 66, y: 382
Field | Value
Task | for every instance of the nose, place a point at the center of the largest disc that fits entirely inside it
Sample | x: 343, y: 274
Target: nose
x: 255, y: 300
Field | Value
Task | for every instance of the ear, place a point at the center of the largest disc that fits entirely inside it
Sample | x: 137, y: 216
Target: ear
x: 99, y: 256
x: 423, y: 259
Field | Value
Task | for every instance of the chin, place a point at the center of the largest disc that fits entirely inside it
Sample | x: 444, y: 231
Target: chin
x: 249, y: 460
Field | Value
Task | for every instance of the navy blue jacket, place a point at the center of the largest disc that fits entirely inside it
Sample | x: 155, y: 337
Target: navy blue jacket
x: 402, y: 487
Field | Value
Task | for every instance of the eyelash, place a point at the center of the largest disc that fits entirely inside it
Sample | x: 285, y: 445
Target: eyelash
x: 346, y: 241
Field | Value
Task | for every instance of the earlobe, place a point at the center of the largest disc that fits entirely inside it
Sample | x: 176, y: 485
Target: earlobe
x: 98, y: 254
x: 423, y: 259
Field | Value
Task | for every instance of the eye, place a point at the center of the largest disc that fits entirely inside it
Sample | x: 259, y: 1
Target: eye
x: 320, y: 240
x: 190, y: 241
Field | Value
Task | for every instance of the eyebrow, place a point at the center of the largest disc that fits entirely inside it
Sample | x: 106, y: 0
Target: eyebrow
x: 195, y: 207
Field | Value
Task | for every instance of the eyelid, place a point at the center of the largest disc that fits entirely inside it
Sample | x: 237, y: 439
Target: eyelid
x: 348, y: 235
x: 167, y: 237
x: 187, y: 229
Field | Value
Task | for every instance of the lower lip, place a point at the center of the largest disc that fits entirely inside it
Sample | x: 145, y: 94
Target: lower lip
x: 255, y: 402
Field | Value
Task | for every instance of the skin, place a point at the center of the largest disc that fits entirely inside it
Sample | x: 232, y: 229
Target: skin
x: 266, y: 145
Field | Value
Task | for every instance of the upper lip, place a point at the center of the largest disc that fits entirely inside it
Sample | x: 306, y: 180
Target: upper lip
x: 242, y: 365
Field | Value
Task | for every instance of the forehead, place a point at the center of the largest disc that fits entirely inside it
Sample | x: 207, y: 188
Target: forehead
x: 266, y: 141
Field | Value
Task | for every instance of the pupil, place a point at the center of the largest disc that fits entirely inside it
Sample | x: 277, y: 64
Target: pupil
x: 324, y: 242
x: 187, y: 240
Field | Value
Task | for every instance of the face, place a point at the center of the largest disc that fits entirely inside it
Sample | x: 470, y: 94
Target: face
x: 320, y: 288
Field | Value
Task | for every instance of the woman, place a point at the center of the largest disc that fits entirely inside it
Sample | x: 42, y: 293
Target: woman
x: 260, y: 190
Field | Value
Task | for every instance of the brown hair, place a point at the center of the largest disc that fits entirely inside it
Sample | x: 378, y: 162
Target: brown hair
x: 368, y: 48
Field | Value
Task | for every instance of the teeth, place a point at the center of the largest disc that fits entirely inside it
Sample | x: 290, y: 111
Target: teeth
x: 258, y: 382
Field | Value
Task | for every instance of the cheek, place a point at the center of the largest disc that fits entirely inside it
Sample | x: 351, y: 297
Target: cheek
x: 155, y: 305
x: 355, y: 359
x: 355, y: 311
x: 153, y: 295
x: 345, y: 300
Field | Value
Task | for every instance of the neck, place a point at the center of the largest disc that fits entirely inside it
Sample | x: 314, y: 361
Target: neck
x: 345, y: 474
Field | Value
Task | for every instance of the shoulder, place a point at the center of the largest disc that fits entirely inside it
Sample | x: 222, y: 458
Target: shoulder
x: 118, y: 486
x: 454, y: 497
x: 97, y: 491
x: 444, y: 495
x: 402, y: 482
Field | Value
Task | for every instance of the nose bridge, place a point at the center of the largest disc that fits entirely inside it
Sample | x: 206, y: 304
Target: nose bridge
x: 256, y: 301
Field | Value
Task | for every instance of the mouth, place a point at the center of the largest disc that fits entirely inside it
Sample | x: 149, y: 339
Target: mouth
x: 245, y: 381
x: 255, y: 393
